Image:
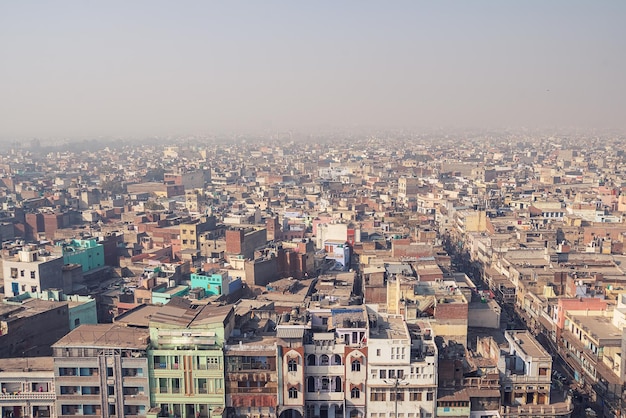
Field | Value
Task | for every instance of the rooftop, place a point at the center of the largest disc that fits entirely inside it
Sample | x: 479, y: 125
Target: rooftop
x: 105, y: 335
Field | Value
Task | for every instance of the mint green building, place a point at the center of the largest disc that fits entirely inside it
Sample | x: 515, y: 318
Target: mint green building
x: 163, y: 296
x: 86, y: 252
x: 186, y: 360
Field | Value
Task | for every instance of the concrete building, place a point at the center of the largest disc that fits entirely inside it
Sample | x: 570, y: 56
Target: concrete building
x: 335, y: 355
x: 89, y: 253
x: 186, y: 359
x: 251, y: 377
x: 27, y: 387
x: 28, y: 328
x: 102, y: 370
x: 402, y: 370
x: 32, y: 270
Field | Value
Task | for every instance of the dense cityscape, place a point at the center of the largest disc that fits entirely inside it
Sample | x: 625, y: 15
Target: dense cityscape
x: 383, y: 275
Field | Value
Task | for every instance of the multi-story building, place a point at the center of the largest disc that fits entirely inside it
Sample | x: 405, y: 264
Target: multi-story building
x: 28, y: 328
x: 89, y: 253
x: 102, y: 370
x: 335, y: 356
x: 27, y: 387
x: 402, y: 370
x: 32, y: 270
x: 187, y: 359
x: 526, y: 374
x: 251, y: 377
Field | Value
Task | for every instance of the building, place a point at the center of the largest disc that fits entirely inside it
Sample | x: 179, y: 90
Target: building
x: 27, y: 387
x: 32, y: 270
x: 402, y: 370
x: 186, y: 359
x: 102, y: 370
x: 28, y: 328
x: 89, y: 253
x: 251, y: 377
x: 214, y: 282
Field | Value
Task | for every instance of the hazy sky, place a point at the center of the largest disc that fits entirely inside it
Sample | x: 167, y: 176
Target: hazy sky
x: 74, y: 68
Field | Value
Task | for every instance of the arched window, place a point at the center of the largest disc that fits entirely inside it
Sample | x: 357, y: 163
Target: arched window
x: 324, y: 360
x: 310, y: 360
x: 310, y: 384
x: 293, y: 393
x: 338, y: 386
x: 292, y: 365
x: 356, y: 366
x: 337, y: 359
x: 355, y: 393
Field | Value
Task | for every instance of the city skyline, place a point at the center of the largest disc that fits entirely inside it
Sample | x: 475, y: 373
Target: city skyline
x: 75, y: 69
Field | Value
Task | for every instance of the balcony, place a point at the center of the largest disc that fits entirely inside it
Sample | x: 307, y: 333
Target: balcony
x: 322, y: 395
x: 138, y: 397
x: 520, y: 378
x: 78, y: 397
x: 27, y: 396
x: 252, y: 391
x: 330, y: 370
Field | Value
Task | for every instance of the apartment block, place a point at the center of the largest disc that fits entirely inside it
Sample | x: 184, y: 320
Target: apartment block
x: 102, y: 370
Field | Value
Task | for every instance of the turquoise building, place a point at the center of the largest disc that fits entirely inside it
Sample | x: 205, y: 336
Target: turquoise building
x: 214, y: 282
x: 163, y: 296
x: 86, y: 252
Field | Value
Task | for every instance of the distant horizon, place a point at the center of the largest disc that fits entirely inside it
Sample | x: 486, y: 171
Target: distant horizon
x: 77, y: 70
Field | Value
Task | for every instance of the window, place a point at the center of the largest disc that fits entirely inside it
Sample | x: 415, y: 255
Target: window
x: 378, y: 352
x: 32, y: 274
x: 392, y: 374
x: 382, y: 374
x: 415, y: 395
x: 325, y: 383
x: 21, y: 273
x: 14, y: 272
x: 400, y: 374
x: 378, y: 395
x: 324, y: 361
x: 429, y: 396
x: 355, y: 393
x: 397, y: 396
x: 356, y: 366
x: 293, y: 393
x: 292, y: 365
x: 33, y: 289
x: 310, y: 360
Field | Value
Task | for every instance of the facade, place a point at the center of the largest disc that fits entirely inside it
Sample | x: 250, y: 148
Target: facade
x: 186, y: 360
x: 89, y: 253
x: 402, y: 370
x: 213, y: 282
x: 102, y: 370
x: 32, y: 271
x: 27, y: 387
x: 336, y: 366
x: 251, y: 378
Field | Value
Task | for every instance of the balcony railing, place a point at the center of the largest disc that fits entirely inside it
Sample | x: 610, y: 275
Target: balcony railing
x: 252, y: 391
x: 26, y: 396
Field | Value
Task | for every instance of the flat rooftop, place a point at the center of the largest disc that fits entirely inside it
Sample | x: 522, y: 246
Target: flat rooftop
x: 527, y: 344
x: 389, y: 328
x: 105, y: 335
x: 35, y: 364
x: 599, y: 327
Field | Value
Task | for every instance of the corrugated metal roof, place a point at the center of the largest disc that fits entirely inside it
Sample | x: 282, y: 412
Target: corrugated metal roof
x: 289, y: 333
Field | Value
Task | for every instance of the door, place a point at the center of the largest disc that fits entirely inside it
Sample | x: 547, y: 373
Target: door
x: 15, y: 287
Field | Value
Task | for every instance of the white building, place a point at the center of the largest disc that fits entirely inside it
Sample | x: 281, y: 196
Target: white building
x: 32, y: 271
x: 402, y: 369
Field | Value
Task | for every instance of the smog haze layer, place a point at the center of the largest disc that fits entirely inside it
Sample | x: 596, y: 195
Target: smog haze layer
x: 77, y: 69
